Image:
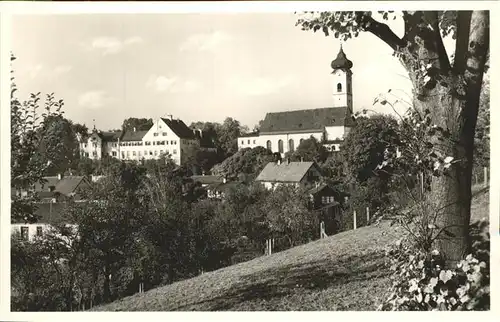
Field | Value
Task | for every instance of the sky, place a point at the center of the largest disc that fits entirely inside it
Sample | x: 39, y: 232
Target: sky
x: 196, y: 67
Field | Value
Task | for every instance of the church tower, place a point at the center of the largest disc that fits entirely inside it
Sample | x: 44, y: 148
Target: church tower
x: 342, y: 81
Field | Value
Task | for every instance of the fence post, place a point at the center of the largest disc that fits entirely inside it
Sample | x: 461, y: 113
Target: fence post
x: 367, y: 215
x: 354, y: 219
x: 485, y: 176
x: 422, y: 183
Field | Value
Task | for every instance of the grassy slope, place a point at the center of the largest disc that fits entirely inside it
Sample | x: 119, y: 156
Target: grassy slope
x: 342, y: 272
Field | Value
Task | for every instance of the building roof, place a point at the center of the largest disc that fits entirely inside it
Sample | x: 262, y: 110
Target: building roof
x: 284, y: 172
x: 207, y: 179
x: 132, y: 135
x: 251, y: 134
x: 341, y: 62
x: 205, y: 140
x: 49, y: 213
x: 65, y: 186
x: 179, y: 128
x: 110, y: 136
x: 319, y: 188
x: 223, y: 187
x: 309, y: 120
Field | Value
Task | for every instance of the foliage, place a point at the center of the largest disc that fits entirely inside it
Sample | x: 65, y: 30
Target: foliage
x: 223, y: 136
x: 422, y: 282
x: 58, y: 143
x: 139, y: 124
x: 309, y: 150
x: 364, y: 147
x: 199, y: 160
x: 288, y: 215
x: 27, y: 166
x: 248, y: 162
x: 482, y: 137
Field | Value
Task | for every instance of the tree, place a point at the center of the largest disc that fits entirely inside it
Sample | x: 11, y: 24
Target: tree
x: 309, y: 150
x: 247, y: 162
x: 363, y: 148
x: 58, y: 143
x: 27, y: 166
x: 450, y: 90
x: 228, y: 134
x: 288, y: 215
x: 139, y: 124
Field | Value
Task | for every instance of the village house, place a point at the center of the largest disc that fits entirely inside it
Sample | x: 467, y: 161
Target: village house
x: 297, y: 174
x: 54, y: 195
x: 167, y: 136
x: 283, y: 132
x: 215, y: 186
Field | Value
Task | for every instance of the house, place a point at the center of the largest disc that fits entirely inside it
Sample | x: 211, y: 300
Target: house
x: 290, y: 173
x: 215, y: 186
x: 58, y: 188
x: 219, y: 190
x: 284, y: 131
x: 167, y: 136
x: 54, y: 194
x: 49, y: 214
x: 325, y: 201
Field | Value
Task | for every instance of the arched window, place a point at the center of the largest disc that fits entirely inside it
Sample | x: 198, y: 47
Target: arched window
x: 269, y: 145
x: 339, y: 87
x: 280, y: 146
x: 291, y: 146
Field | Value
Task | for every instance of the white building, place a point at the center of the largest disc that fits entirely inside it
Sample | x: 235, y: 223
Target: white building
x: 283, y: 131
x: 166, y: 137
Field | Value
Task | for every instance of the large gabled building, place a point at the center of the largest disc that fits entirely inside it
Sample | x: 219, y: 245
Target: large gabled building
x: 167, y: 136
x: 283, y: 131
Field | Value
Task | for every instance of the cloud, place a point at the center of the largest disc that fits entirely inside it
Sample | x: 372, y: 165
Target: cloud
x: 257, y: 86
x: 111, y: 45
x: 62, y: 69
x: 205, y: 42
x: 93, y: 99
x: 35, y: 71
x: 172, y: 84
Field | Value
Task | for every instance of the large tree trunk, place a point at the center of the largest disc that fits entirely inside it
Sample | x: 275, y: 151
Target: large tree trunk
x: 453, y: 102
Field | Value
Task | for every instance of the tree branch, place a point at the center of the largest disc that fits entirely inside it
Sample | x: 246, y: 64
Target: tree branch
x: 383, y: 32
x: 433, y: 19
x: 462, y: 41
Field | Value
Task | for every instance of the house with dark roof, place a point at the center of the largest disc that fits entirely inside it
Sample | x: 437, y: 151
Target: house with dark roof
x: 297, y: 174
x: 283, y: 131
x: 55, y: 192
x: 167, y: 136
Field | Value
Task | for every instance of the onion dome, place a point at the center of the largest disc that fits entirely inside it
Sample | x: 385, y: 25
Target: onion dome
x: 341, y: 62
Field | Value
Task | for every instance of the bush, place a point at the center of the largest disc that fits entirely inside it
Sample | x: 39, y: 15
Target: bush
x: 421, y: 281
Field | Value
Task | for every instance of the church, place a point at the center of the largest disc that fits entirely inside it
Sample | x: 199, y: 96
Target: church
x: 283, y: 131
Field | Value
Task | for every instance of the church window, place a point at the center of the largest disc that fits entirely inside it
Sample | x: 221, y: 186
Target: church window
x: 269, y: 145
x: 339, y: 87
x: 280, y: 146
x: 291, y: 145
